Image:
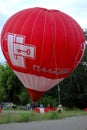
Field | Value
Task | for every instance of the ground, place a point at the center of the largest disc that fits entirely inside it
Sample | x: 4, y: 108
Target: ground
x: 71, y: 123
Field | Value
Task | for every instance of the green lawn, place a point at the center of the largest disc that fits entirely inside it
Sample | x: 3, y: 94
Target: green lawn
x: 9, y: 116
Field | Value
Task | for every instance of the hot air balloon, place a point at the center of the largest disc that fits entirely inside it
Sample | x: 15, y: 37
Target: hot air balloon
x: 42, y: 46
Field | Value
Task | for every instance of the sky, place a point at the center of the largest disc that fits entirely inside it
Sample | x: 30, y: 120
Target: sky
x: 75, y: 8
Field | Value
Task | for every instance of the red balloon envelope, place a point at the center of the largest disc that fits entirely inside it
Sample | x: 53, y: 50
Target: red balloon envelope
x: 42, y: 47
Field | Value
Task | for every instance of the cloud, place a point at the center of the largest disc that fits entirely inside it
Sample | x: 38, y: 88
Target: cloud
x: 75, y: 8
x: 8, y: 7
x: 3, y: 19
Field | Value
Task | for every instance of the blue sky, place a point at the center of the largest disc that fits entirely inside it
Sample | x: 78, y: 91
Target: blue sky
x: 75, y: 8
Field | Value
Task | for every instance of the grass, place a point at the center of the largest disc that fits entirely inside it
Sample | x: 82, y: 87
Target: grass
x: 8, y: 116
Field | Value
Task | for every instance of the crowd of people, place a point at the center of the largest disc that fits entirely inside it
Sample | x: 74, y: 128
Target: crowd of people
x: 33, y: 106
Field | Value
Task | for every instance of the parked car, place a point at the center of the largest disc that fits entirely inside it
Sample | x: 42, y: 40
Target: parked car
x: 7, y: 105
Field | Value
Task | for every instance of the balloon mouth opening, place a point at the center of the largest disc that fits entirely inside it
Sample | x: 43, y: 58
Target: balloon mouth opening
x: 34, y: 94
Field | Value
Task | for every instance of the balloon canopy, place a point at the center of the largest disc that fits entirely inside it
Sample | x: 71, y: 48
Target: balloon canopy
x: 42, y: 47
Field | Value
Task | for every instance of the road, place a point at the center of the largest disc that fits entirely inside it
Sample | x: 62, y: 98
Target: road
x: 72, y: 123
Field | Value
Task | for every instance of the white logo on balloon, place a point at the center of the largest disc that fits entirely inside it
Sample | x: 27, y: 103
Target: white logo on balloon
x: 18, y: 50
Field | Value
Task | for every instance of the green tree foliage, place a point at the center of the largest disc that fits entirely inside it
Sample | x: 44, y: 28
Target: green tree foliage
x: 74, y: 88
x: 11, y: 89
x: 50, y: 97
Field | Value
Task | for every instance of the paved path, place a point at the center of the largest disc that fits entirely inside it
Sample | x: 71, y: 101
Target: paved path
x: 72, y: 123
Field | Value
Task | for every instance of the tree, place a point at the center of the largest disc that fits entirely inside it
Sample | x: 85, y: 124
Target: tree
x: 10, y: 86
x: 74, y: 87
